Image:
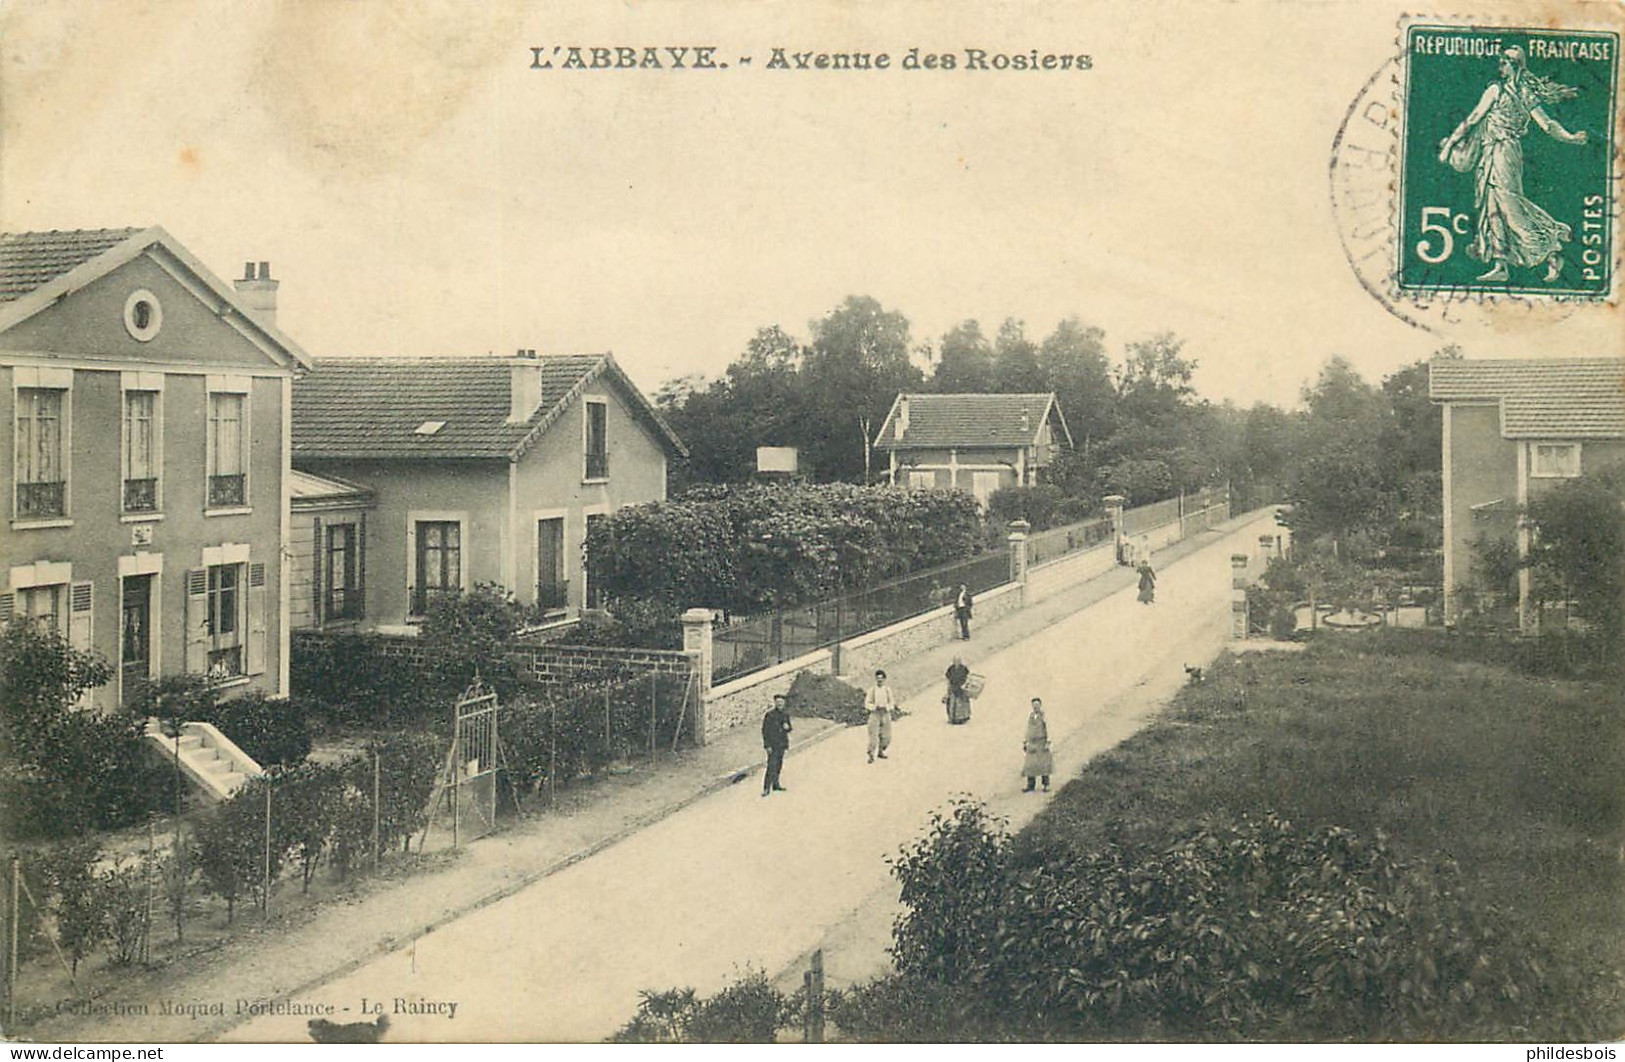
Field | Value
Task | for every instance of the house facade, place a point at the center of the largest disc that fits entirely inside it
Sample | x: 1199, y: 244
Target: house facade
x: 145, y: 457
x: 977, y: 443
x: 475, y: 470
x: 1513, y: 430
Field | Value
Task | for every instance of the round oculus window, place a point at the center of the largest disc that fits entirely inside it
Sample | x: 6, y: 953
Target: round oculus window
x: 143, y: 316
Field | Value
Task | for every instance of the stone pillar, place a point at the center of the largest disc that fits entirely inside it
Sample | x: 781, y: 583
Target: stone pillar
x: 1114, y: 509
x: 1238, y: 595
x: 697, y: 644
x: 1018, y: 551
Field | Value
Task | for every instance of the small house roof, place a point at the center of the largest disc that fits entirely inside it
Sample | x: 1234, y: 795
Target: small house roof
x: 30, y: 260
x: 452, y: 407
x: 308, y: 490
x: 1539, y: 398
x: 969, y: 420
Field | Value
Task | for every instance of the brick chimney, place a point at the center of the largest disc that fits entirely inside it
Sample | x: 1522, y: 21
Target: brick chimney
x: 901, y: 424
x: 525, y: 378
x: 256, y: 292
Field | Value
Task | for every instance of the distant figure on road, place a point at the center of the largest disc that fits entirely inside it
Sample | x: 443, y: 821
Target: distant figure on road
x: 957, y: 699
x: 1039, y: 762
x: 776, y: 740
x: 962, y: 611
x: 1148, y: 583
x: 882, y: 705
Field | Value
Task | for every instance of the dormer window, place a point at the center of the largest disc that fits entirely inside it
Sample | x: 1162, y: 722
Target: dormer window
x: 429, y: 427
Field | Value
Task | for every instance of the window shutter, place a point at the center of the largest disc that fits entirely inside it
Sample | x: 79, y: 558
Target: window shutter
x: 197, y: 621
x: 81, y: 629
x: 8, y: 607
x: 256, y: 619
x: 318, y: 569
x: 360, y: 568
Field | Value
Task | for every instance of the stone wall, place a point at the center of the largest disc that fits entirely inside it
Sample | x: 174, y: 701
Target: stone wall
x: 745, y: 699
x: 555, y: 664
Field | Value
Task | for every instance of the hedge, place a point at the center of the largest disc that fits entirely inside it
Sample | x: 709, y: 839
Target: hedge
x: 749, y: 547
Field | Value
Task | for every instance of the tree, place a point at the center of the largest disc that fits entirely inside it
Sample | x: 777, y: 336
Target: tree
x: 1015, y: 360
x: 1578, y: 547
x: 1073, y: 358
x: 964, y: 361
x: 858, y: 362
x: 1341, y: 484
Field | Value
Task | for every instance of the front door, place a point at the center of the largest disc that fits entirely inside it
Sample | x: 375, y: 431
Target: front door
x: 135, y: 635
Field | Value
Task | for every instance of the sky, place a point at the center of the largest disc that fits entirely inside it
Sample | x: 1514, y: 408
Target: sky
x: 420, y: 189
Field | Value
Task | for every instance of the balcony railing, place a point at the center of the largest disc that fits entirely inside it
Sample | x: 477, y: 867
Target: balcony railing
x: 225, y: 663
x: 228, y: 490
x: 41, y: 499
x: 141, y: 495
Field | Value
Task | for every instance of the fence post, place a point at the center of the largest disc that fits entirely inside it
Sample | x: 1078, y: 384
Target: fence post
x: 1238, y: 595
x: 835, y: 649
x: 377, y: 807
x: 1114, y: 510
x: 652, y: 694
x: 16, y: 931
x: 265, y: 875
x: 697, y: 644
x: 813, y: 981
x: 1018, y: 550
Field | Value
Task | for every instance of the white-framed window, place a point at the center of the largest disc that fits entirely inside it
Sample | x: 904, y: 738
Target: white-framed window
x: 918, y: 480
x: 343, y: 590
x: 595, y: 439
x: 143, y: 451
x: 436, y: 544
x: 44, y: 593
x: 1555, y: 460
x: 143, y: 315
x: 42, y: 444
x: 224, y: 620
x: 228, y: 445
x: 225, y: 615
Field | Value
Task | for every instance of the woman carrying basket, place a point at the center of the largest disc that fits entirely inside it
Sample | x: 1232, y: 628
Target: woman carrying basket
x: 958, y: 697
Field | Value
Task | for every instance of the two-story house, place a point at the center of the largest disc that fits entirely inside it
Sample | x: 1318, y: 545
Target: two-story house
x: 144, y: 456
x: 460, y: 471
x: 977, y: 443
x: 1514, y: 429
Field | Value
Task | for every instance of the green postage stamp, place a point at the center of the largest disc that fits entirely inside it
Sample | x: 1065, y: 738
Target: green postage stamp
x: 1506, y: 182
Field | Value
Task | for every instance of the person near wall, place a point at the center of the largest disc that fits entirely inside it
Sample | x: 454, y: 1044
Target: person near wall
x: 1148, y: 583
x: 957, y: 698
x: 776, y: 740
x: 962, y: 611
x: 1039, y: 762
x: 882, y: 705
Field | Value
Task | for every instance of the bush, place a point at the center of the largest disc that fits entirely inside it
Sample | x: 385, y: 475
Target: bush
x: 274, y: 731
x: 631, y: 623
x: 1251, y: 930
x: 81, y: 916
x: 1036, y: 504
x: 355, y: 683
x: 64, y: 770
x: 748, y: 1011
x: 744, y: 548
x: 820, y: 696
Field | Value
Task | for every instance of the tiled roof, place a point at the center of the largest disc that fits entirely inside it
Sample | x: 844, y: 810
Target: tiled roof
x: 1544, y: 398
x: 966, y: 420
x: 30, y: 259
x: 387, y: 407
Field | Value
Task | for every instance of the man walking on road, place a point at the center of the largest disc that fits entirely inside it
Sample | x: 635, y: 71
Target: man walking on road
x: 775, y: 739
x: 882, y: 704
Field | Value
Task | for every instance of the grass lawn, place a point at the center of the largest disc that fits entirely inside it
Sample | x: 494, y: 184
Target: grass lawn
x: 1519, y: 780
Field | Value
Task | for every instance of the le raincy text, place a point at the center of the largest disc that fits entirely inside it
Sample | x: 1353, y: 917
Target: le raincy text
x: 704, y: 57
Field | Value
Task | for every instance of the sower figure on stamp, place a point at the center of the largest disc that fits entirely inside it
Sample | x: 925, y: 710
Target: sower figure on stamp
x: 776, y: 740
x: 1512, y: 231
x: 882, y: 705
x: 1035, y: 744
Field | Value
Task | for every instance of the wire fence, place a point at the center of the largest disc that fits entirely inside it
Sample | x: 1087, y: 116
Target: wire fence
x: 751, y: 643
